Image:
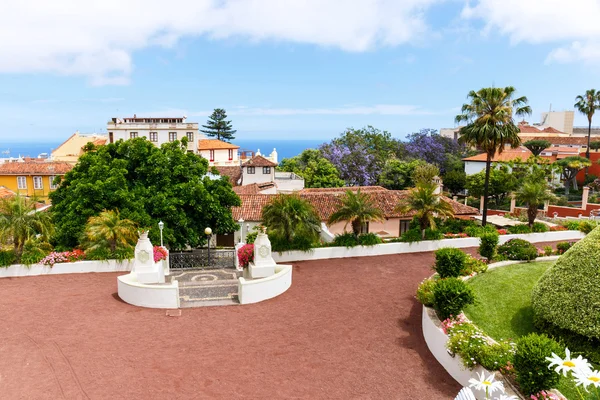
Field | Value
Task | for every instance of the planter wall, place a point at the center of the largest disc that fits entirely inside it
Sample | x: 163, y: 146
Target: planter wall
x: 77, y: 267
x: 322, y: 253
x: 256, y: 290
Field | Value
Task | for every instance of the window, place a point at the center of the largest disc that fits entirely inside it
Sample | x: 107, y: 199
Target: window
x: 190, y: 136
x: 22, y: 182
x: 110, y: 137
x: 37, y: 182
x: 132, y: 135
x: 266, y: 170
x: 250, y: 170
x: 404, y: 226
x: 172, y: 136
x: 364, y: 228
x: 230, y: 154
x: 154, y: 136
x: 52, y: 185
x: 211, y: 155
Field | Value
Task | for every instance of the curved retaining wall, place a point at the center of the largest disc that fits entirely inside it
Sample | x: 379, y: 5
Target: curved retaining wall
x: 255, y: 290
x: 321, y: 253
x: 77, y: 267
x: 144, y: 295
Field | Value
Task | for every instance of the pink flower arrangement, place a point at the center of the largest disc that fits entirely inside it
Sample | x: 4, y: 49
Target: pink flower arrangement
x: 246, y: 255
x: 160, y: 253
x: 453, y: 321
x: 455, y: 235
x: 502, y: 231
x: 63, y: 257
x: 544, y: 395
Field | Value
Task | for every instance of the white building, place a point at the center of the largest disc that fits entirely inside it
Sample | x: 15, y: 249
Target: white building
x: 560, y: 120
x: 156, y: 130
x: 219, y: 153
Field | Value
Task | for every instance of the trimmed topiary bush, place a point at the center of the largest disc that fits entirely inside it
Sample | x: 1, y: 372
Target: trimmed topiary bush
x: 425, y: 292
x: 450, y: 296
x: 568, y: 294
x: 449, y: 262
x: 531, y: 366
x: 518, y: 249
x: 488, y: 244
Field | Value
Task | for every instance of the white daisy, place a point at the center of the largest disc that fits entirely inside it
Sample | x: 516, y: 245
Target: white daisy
x: 587, y: 378
x: 489, y: 384
x: 567, y: 364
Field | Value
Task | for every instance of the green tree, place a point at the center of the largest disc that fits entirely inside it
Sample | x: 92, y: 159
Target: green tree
x: 490, y: 125
x: 217, y: 125
x: 317, y: 171
x: 356, y: 208
x: 426, y: 204
x: 501, y: 183
x: 146, y: 184
x: 19, y: 221
x: 587, y: 105
x: 537, y: 146
x: 534, y: 192
x: 455, y: 181
x: 289, y: 216
x: 108, y: 229
x: 570, y: 167
x: 425, y: 173
x: 398, y: 174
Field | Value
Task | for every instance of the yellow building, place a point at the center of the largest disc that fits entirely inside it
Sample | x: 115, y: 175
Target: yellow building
x: 32, y: 178
x: 72, y: 148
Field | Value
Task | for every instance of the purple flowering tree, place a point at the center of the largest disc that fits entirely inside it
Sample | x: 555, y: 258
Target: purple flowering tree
x: 433, y: 148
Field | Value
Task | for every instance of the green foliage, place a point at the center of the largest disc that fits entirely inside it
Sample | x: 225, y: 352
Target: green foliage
x: 455, y: 225
x: 426, y: 204
x: 356, y: 208
x: 531, y: 366
x: 293, y: 219
x: 100, y: 253
x: 451, y: 295
x: 488, y: 244
x: 562, y: 247
x: 369, y: 239
x: 7, y: 258
x: 31, y: 254
x: 518, y: 249
x: 398, y: 174
x: 317, y: 171
x: 424, y: 174
x: 473, y: 266
x: 425, y: 292
x: 449, y: 262
x: 217, y: 125
x: 502, y: 183
x: 299, y: 242
x: 537, y: 146
x: 570, y: 167
x: 455, y: 181
x: 587, y: 226
x: 146, y: 184
x: 568, y: 294
x: 522, y: 228
x: 534, y: 191
x: 415, y: 235
x: 109, y: 230
x: 346, y: 239
x: 479, y: 231
x: 539, y: 227
x: 548, y: 251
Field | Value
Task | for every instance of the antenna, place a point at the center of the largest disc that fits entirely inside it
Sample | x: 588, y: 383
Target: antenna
x: 550, y: 108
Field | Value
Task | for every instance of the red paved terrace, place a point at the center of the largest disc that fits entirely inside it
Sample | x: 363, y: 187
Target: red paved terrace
x: 347, y: 328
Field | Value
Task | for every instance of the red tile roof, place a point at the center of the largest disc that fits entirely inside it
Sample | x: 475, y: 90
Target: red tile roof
x: 233, y: 173
x: 565, y: 140
x: 35, y: 168
x: 215, y: 144
x: 343, y: 189
x: 259, y: 161
x: 326, y: 203
x: 254, y: 188
x: 507, y: 155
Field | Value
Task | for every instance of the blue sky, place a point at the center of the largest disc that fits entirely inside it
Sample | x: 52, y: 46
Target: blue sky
x: 300, y: 69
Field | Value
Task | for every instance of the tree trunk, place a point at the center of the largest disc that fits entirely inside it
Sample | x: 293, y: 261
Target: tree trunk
x: 356, y: 226
x: 488, y: 164
x: 531, y: 213
x: 113, y: 246
x: 423, y: 225
x: 587, y: 150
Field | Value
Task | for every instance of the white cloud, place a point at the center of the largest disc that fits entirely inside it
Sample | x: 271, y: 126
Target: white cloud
x: 97, y: 39
x: 571, y: 25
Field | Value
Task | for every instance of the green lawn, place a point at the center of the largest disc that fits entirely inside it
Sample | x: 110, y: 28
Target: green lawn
x: 503, y: 309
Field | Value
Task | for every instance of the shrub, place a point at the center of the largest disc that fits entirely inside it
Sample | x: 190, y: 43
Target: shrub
x: 454, y: 225
x: 531, y: 366
x: 126, y: 253
x: 7, y: 258
x: 479, y: 231
x: 425, y: 292
x: 433, y: 234
x: 488, y: 244
x: 450, y: 296
x: 449, y: 262
x: 521, y: 228
x: 572, y: 225
x: 369, y: 239
x: 568, y: 294
x: 518, y: 249
x: 411, y: 236
x: 32, y: 255
x: 101, y: 253
x: 246, y: 255
x: 45, y: 247
x: 473, y: 266
x: 347, y: 239
x: 557, y: 228
x: 300, y: 242
x: 251, y: 237
x: 539, y: 227
x: 587, y: 226
x: 548, y: 250
x: 562, y: 247
x: 63, y: 257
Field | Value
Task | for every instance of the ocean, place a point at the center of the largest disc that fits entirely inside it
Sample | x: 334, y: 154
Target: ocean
x: 285, y: 148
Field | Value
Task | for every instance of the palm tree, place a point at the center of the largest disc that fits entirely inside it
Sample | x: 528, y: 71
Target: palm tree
x: 490, y: 125
x: 289, y: 215
x: 534, y: 192
x: 356, y: 209
x: 108, y: 229
x: 588, y: 104
x: 427, y: 204
x: 19, y: 221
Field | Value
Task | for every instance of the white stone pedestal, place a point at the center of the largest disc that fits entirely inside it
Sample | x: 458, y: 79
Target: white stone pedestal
x: 146, y: 270
x: 263, y: 264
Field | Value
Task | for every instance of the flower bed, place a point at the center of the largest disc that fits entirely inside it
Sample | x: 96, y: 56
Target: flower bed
x: 63, y: 257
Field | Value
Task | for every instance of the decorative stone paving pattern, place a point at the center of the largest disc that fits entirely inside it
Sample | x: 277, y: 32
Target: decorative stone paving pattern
x: 207, y: 287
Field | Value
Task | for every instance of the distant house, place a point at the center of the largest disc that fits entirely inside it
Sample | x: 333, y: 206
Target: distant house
x: 326, y: 202
x: 72, y: 148
x: 32, y: 178
x: 218, y: 152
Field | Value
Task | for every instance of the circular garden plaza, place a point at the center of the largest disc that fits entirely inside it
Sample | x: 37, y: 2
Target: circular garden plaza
x: 493, y: 316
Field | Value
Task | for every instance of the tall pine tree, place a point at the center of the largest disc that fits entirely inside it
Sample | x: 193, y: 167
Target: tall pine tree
x: 218, y: 126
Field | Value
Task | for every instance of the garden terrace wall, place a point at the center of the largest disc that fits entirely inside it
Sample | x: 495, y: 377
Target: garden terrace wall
x: 322, y: 253
x: 76, y: 267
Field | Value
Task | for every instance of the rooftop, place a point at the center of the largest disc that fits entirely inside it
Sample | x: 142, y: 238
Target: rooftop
x: 215, y: 144
x: 35, y: 168
x: 259, y: 161
x: 233, y: 173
